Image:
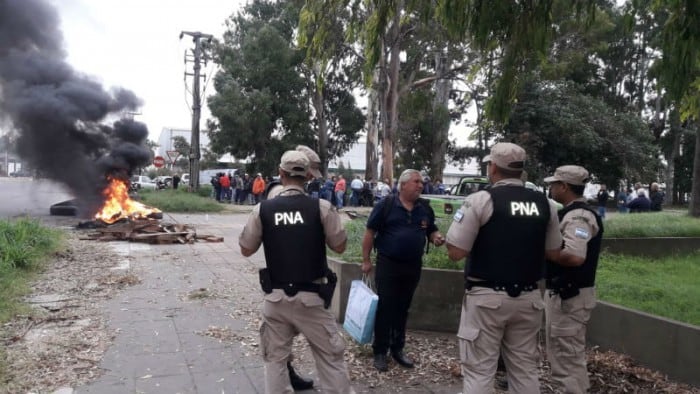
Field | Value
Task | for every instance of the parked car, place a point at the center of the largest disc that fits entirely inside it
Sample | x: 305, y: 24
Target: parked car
x: 164, y: 181
x: 21, y: 173
x: 142, y: 182
x: 185, y: 180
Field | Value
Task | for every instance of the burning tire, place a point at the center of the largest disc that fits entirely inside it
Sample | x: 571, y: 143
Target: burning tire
x: 65, y: 208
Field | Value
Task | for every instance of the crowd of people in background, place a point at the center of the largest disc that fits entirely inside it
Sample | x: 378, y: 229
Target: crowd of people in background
x: 638, y: 199
x: 238, y: 189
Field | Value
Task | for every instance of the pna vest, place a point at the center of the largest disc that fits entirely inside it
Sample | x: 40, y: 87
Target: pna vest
x: 509, y: 248
x: 584, y: 274
x: 293, y: 238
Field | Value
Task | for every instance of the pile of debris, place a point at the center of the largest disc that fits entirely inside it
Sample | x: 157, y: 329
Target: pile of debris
x: 145, y: 230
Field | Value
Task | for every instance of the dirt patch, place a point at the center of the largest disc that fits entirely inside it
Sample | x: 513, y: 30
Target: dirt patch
x: 61, y: 342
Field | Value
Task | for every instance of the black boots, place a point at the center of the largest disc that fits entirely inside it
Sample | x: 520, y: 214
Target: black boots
x: 402, y: 359
x: 298, y: 383
x: 380, y: 362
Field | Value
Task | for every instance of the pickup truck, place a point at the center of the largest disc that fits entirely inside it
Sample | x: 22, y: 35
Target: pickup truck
x: 447, y: 204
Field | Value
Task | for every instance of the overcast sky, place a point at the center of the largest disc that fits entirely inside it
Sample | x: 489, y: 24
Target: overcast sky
x: 135, y: 44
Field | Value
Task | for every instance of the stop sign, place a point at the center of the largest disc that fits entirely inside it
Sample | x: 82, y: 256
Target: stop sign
x: 158, y: 161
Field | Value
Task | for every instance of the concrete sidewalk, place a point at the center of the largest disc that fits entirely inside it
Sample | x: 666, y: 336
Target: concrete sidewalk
x: 191, y: 325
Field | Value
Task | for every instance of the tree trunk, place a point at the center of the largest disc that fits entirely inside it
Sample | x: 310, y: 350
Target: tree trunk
x: 440, y: 103
x: 322, y: 129
x: 392, y: 96
x: 371, y: 156
x: 694, y: 206
x: 672, y: 154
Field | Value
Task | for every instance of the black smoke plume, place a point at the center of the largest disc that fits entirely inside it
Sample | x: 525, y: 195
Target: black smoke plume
x: 61, y: 115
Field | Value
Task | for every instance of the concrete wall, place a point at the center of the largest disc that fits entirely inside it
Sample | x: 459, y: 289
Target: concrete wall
x: 436, y: 305
x: 651, y: 247
x: 665, y: 345
x: 662, y: 344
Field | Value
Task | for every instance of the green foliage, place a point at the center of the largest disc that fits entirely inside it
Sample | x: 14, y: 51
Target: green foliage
x: 170, y: 200
x: 260, y: 107
x: 24, y: 244
x: 264, y: 89
x: 558, y: 125
x: 435, y: 258
x: 681, y: 52
x: 418, y: 131
x: 652, y: 224
x: 643, y: 284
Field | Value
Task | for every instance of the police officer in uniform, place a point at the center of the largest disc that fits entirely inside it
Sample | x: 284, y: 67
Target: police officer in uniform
x: 505, y: 232
x: 274, y: 189
x: 570, y: 279
x: 294, y: 230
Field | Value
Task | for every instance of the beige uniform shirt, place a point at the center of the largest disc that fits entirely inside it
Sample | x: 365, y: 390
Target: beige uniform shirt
x: 274, y: 191
x: 251, y: 236
x: 477, y: 210
x: 577, y: 227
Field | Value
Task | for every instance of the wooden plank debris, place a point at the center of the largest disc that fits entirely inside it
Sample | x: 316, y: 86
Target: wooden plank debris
x: 149, y: 231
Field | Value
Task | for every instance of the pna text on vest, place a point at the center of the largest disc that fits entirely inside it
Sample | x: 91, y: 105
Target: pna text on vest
x: 521, y: 208
x: 288, y: 218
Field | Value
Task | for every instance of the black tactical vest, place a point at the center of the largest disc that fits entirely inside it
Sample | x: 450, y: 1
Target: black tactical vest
x: 293, y: 239
x: 583, y: 275
x: 509, y: 248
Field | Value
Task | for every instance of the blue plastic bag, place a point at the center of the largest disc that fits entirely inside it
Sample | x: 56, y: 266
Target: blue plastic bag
x: 360, y: 312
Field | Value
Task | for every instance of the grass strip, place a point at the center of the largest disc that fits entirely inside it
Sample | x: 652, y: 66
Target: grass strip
x: 170, y: 200
x: 24, y: 245
x: 663, y: 287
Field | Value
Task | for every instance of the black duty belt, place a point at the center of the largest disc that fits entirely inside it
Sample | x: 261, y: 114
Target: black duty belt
x: 513, y: 289
x: 291, y: 289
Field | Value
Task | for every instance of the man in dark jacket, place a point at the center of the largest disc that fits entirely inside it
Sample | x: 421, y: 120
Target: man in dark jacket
x: 603, y: 197
x: 399, y: 236
x: 656, y: 197
x: 640, y: 204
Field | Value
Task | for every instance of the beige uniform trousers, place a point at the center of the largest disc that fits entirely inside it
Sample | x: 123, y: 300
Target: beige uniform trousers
x: 491, y: 323
x: 283, y: 318
x: 566, y: 339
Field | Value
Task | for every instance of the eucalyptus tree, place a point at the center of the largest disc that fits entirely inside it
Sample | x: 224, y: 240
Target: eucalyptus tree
x: 331, y: 80
x: 396, y: 45
x: 520, y: 29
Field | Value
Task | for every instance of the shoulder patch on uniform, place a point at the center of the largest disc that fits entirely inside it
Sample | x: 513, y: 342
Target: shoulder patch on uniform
x: 581, y: 218
x: 581, y: 233
x: 459, y: 215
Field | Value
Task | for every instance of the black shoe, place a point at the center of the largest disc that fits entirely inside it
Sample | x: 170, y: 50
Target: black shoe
x: 401, y: 358
x: 380, y: 362
x: 299, y: 383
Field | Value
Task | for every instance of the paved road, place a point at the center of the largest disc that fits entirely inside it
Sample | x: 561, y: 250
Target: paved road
x: 27, y: 196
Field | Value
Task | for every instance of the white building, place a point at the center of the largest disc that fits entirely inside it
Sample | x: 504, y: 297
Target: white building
x: 355, y: 159
x: 168, y: 134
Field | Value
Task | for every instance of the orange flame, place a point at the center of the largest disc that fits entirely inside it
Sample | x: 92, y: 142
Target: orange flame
x: 118, y: 205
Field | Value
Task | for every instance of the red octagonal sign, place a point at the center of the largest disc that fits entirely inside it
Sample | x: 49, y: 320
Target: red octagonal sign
x: 158, y: 161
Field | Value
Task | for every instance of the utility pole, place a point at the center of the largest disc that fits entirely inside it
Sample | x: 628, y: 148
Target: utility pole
x: 198, y: 54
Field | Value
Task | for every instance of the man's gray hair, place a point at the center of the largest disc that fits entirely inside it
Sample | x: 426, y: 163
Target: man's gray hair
x: 405, y: 177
